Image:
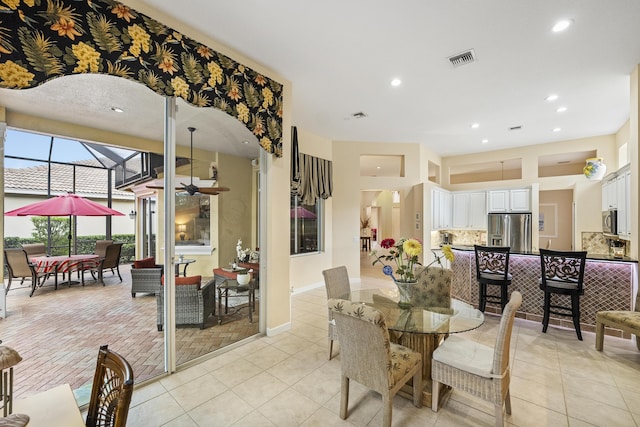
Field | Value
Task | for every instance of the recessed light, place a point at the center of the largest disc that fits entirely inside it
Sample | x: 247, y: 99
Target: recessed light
x: 378, y: 167
x: 484, y: 141
x: 475, y: 126
x: 562, y: 25
x: 557, y: 129
x: 396, y: 82
x: 245, y: 142
x: 561, y: 109
x: 551, y: 97
x: 117, y: 109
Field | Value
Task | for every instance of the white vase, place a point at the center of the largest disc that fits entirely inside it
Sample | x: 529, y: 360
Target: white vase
x: 243, y: 279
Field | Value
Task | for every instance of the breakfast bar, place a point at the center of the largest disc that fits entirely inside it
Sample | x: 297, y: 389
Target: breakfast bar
x: 609, y: 284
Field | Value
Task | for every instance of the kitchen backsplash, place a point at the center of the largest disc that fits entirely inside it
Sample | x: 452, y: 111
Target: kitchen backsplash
x: 459, y: 237
x: 597, y: 243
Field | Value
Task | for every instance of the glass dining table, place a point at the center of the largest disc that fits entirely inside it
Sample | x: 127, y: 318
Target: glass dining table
x: 420, y: 327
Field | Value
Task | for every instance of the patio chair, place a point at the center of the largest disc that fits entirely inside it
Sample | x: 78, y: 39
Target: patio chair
x: 145, y: 276
x: 19, y: 266
x: 194, y: 303
x: 35, y: 249
x: 110, y: 261
x: 111, y: 392
x: 101, y: 247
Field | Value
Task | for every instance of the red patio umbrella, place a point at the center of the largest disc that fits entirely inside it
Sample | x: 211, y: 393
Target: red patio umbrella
x: 300, y: 212
x: 65, y: 205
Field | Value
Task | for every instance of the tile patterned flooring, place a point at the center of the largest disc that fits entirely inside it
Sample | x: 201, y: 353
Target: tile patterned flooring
x: 287, y: 380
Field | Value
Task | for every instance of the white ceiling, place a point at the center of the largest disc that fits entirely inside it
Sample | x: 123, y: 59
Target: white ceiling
x: 341, y: 56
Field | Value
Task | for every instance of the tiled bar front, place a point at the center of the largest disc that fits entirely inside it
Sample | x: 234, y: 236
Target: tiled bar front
x: 608, y: 285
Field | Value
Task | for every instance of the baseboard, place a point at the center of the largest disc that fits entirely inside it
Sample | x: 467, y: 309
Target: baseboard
x: 279, y: 329
x: 307, y: 288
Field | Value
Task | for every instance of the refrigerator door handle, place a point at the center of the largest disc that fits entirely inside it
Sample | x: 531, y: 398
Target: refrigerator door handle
x: 507, y: 231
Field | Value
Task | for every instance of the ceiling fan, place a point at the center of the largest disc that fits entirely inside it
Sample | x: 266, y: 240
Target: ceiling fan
x: 190, y: 188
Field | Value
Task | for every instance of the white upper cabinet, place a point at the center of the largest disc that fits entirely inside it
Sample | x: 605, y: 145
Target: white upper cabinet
x: 609, y: 194
x: 470, y: 210
x: 510, y: 200
x: 441, y: 209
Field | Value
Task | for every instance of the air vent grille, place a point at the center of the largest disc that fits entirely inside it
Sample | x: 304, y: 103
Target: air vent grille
x: 463, y: 58
x: 516, y: 127
x: 359, y: 115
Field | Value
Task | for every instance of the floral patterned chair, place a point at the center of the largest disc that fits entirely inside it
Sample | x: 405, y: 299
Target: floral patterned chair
x: 433, y: 289
x: 368, y: 357
x: 628, y: 321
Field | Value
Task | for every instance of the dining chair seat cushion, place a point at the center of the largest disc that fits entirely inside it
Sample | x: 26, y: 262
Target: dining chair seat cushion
x: 495, y: 275
x: 466, y: 355
x: 403, y: 360
x: 631, y: 319
x: 559, y: 284
x: 145, y: 263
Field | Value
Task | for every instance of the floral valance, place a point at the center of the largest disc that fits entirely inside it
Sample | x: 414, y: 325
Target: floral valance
x: 44, y: 39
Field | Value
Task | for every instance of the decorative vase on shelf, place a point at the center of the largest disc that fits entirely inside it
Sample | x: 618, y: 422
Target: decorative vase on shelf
x: 595, y: 168
x: 405, y: 293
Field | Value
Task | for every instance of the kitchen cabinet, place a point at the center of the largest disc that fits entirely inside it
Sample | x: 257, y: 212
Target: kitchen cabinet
x: 510, y: 200
x: 609, y: 193
x: 469, y: 210
x: 441, y: 209
x: 623, y: 196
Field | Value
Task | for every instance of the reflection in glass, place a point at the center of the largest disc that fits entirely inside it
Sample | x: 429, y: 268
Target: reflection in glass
x: 192, y: 220
x: 305, y: 229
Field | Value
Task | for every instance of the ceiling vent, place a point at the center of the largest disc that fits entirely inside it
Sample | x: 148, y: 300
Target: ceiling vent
x: 359, y: 115
x: 463, y: 58
x: 516, y: 127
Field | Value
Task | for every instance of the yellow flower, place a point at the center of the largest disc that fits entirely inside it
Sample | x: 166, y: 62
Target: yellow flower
x: 180, y: 87
x: 265, y: 143
x: 13, y: 75
x: 88, y: 58
x: 412, y: 247
x: 268, y: 97
x: 243, y: 112
x: 13, y: 4
x: 215, y: 74
x: 448, y: 253
x: 140, y: 40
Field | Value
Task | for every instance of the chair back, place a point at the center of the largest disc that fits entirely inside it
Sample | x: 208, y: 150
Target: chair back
x: 18, y: 263
x: 503, y: 340
x: 492, y: 262
x: 111, y: 392
x: 562, y: 269
x: 35, y: 249
x: 336, y: 282
x: 112, y: 255
x: 433, y: 288
x: 364, y: 344
x: 101, y: 247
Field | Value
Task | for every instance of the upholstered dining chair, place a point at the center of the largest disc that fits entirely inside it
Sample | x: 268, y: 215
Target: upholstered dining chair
x: 336, y: 283
x: 19, y: 267
x: 111, y: 391
x: 370, y: 358
x: 475, y: 368
x: 492, y: 269
x: 625, y: 320
x: 563, y: 274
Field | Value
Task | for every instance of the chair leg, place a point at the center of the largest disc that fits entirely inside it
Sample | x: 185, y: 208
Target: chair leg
x: 344, y: 397
x: 330, y: 349
x: 482, y: 298
x: 504, y: 296
x: 387, y: 408
x: 575, y: 311
x: 6, y: 291
x: 545, y: 318
x: 507, y: 402
x: 600, y: 336
x: 435, y: 395
x: 499, y: 415
x: 118, y: 270
x: 417, y: 388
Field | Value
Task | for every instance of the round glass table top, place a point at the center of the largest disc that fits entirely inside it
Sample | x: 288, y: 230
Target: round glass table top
x: 457, y: 317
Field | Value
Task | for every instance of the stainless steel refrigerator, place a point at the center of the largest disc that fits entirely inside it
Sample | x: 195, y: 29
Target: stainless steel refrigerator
x: 510, y: 229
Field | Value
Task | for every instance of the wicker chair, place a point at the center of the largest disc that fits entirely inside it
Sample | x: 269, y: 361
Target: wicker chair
x: 194, y: 303
x: 626, y: 320
x: 110, y: 261
x: 111, y: 392
x: 368, y: 357
x: 475, y: 368
x: 336, y: 282
x: 20, y: 267
x: 145, y: 276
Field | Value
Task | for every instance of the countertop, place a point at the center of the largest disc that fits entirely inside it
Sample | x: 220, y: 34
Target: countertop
x: 591, y: 256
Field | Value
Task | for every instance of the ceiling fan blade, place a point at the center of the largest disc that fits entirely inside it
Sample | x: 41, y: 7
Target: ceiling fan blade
x: 213, y: 191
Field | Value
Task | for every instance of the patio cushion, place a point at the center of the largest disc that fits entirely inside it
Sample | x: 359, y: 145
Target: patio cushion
x: 145, y: 263
x: 189, y: 280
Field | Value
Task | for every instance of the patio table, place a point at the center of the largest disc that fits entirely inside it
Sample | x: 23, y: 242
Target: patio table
x: 64, y: 264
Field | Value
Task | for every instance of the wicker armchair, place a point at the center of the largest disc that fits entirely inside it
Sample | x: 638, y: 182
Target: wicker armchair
x: 194, y: 303
x: 336, y: 282
x: 475, y: 368
x: 368, y: 357
x: 145, y: 276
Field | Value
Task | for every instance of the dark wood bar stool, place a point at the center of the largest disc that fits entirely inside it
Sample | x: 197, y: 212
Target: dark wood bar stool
x: 492, y: 268
x: 562, y: 273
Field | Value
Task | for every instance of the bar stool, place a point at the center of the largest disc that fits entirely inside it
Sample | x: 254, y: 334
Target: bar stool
x: 492, y: 268
x: 562, y: 273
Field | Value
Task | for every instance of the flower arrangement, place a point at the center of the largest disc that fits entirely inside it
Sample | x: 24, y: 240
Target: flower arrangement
x: 244, y: 255
x: 405, y: 254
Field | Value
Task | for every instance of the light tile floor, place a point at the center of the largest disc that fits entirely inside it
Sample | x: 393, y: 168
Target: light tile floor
x: 287, y: 380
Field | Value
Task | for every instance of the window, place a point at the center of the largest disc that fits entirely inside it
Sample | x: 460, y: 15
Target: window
x: 193, y: 221
x: 306, y: 226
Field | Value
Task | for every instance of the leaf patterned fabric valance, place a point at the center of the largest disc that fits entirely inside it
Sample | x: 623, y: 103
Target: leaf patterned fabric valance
x: 44, y: 39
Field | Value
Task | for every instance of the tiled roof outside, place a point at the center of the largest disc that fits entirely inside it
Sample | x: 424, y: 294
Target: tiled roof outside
x: 33, y: 180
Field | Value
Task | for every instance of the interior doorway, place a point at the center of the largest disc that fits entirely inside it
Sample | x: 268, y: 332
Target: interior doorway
x: 555, y: 220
